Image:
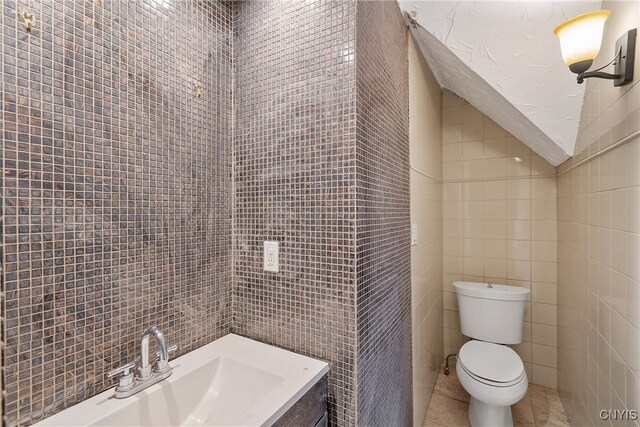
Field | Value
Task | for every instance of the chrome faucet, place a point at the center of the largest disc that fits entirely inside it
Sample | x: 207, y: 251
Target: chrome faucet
x: 144, y: 371
x: 147, y: 375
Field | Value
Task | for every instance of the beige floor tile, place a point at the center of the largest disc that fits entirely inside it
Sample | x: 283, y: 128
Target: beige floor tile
x: 548, y: 413
x: 540, y: 407
x: 519, y: 422
x: 447, y: 411
x: 523, y: 410
x: 448, y: 385
x: 547, y: 406
x: 543, y: 393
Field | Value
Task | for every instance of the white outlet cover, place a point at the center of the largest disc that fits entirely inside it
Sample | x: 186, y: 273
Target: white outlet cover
x: 414, y: 234
x: 271, y: 257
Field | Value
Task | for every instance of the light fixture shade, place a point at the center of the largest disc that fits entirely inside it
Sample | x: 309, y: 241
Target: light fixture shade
x: 581, y: 37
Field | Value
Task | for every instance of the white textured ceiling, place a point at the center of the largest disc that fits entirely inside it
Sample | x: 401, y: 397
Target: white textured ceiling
x: 503, y: 57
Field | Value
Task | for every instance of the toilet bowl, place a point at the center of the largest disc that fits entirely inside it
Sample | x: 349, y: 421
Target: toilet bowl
x: 494, y: 376
x: 492, y: 373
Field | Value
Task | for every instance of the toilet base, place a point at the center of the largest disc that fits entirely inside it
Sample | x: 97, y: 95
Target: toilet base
x: 485, y: 415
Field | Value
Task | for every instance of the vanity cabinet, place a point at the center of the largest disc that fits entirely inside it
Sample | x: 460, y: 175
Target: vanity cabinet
x: 310, y: 410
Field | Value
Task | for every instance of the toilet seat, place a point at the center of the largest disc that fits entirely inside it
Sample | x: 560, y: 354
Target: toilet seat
x: 491, y: 383
x: 491, y: 364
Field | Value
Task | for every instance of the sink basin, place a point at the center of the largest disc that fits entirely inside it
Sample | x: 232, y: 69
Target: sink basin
x: 233, y: 381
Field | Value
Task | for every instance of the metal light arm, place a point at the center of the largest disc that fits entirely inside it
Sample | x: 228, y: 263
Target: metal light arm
x: 601, y: 75
x: 622, y: 63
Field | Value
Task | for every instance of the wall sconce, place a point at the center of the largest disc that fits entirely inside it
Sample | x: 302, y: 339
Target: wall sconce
x: 580, y: 40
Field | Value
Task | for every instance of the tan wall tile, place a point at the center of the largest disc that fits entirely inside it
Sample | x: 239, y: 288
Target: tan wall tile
x: 494, y: 216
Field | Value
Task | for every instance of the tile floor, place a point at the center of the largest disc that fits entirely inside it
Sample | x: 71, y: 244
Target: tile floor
x: 449, y: 405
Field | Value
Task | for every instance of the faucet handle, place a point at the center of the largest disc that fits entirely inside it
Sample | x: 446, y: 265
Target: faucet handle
x: 163, y: 365
x: 126, y: 382
x: 170, y: 349
x: 124, y: 370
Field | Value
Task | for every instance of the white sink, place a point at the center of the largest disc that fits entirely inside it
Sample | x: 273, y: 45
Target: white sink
x: 233, y: 381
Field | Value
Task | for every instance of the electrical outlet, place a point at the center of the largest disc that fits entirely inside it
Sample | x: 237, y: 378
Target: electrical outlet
x: 414, y: 234
x: 271, y: 256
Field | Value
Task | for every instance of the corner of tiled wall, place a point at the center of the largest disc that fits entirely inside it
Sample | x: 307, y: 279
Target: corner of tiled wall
x: 383, y: 258
x: 425, y: 117
x: 499, y: 225
x: 294, y: 182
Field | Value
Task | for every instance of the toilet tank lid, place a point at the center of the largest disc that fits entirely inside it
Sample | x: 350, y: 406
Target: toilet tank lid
x: 496, y: 292
x: 493, y: 362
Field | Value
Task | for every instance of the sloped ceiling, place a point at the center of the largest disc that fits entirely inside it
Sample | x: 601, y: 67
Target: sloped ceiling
x: 503, y: 57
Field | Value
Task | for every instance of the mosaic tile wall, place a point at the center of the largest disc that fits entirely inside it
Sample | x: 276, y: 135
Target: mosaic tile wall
x: 118, y: 152
x: 294, y: 177
x: 383, y: 262
x: 116, y: 189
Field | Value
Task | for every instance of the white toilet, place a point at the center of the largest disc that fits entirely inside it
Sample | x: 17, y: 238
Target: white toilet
x: 492, y: 373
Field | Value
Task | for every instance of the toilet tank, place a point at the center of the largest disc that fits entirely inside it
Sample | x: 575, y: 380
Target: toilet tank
x: 493, y: 314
